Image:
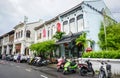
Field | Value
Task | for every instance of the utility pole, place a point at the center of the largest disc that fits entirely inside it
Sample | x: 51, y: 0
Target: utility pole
x: 105, y: 24
x: 25, y: 26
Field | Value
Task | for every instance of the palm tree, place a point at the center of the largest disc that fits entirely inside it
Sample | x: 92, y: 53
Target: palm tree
x: 58, y: 35
x: 82, y: 41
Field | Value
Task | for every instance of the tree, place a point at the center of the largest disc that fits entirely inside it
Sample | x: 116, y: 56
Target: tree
x: 81, y: 40
x: 43, y: 47
x: 112, y: 37
x: 58, y: 35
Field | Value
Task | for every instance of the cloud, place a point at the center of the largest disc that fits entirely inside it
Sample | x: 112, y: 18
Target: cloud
x: 13, y: 11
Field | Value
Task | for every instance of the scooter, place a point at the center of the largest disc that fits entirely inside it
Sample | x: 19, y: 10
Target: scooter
x: 105, y: 70
x: 87, y: 69
x: 60, y: 64
x: 70, y: 67
x: 42, y: 62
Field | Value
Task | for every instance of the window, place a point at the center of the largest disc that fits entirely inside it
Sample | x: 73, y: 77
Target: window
x: 48, y: 32
x: 40, y: 35
x: 16, y: 35
x: 66, y: 27
x: 80, y: 22
x: 79, y: 17
x: 73, y: 27
x: 21, y: 33
x: 52, y: 30
x: 28, y: 33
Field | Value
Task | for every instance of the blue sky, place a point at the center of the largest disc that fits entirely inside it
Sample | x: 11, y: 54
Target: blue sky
x: 13, y: 11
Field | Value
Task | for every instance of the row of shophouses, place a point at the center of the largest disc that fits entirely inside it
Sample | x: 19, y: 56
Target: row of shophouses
x: 84, y: 17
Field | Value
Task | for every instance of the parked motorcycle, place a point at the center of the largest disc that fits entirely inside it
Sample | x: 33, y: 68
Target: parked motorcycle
x: 42, y: 62
x: 30, y: 61
x: 70, y: 67
x: 105, y: 70
x: 87, y: 69
x: 60, y: 64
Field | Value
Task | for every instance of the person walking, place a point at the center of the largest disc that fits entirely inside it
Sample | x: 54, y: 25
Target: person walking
x: 18, y: 58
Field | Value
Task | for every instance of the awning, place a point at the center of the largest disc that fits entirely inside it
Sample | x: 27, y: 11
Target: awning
x: 68, y: 38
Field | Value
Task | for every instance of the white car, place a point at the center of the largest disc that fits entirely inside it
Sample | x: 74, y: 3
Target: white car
x: 15, y: 57
x: 22, y: 59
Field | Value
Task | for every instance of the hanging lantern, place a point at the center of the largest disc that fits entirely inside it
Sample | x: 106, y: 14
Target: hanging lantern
x: 58, y: 27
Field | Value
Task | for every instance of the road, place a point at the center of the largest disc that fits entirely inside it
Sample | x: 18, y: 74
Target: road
x: 21, y: 70
x: 18, y: 70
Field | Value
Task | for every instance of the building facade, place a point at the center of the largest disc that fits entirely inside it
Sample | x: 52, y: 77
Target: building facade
x: 85, y: 17
x: 46, y: 30
x: 6, y: 42
x: 24, y: 36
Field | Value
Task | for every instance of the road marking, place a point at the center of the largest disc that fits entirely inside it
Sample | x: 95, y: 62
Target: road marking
x: 29, y: 70
x: 44, y: 76
x: 11, y: 64
x: 18, y: 66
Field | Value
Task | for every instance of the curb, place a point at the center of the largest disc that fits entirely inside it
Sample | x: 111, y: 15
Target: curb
x: 49, y: 73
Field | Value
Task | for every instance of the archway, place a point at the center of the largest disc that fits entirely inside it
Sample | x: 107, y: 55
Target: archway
x: 26, y: 51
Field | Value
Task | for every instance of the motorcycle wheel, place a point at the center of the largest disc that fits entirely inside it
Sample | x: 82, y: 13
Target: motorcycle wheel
x: 82, y: 72
x: 64, y: 72
x: 93, y: 73
x: 101, y: 74
x: 58, y: 70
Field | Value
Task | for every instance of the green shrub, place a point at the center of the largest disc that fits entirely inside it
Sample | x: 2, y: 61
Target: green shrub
x: 103, y: 54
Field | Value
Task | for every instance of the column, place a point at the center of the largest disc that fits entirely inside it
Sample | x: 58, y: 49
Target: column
x: 13, y: 50
x: 22, y: 48
x: 62, y: 50
x: 2, y: 49
x: 7, y: 49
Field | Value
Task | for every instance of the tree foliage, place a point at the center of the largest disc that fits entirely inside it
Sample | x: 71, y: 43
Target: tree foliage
x: 82, y: 40
x: 58, y: 35
x: 43, y: 47
x: 112, y: 37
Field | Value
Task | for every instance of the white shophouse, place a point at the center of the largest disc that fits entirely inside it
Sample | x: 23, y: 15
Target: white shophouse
x: 84, y: 17
x: 6, y: 43
x: 46, y: 30
x: 24, y: 36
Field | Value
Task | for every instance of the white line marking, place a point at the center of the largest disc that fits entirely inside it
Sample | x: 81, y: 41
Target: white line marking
x: 18, y: 66
x: 29, y: 70
x: 44, y: 76
x: 11, y: 64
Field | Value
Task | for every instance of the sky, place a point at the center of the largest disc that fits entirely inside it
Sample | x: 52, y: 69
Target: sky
x: 12, y: 12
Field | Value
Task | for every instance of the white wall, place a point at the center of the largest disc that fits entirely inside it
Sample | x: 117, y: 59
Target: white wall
x: 115, y: 64
x: 92, y: 22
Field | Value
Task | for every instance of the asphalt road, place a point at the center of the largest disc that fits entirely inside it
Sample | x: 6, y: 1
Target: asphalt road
x: 18, y: 70
x: 21, y: 70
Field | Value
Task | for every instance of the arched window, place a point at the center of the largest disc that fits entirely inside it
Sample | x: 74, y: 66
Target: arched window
x: 48, y: 32
x: 79, y: 17
x: 26, y: 51
x: 80, y: 22
x: 21, y: 33
x: 66, y: 27
x: 73, y: 27
x: 28, y: 33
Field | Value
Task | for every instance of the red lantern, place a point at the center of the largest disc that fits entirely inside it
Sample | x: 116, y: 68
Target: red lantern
x: 65, y: 44
x: 44, y: 32
x: 88, y: 49
x: 58, y: 27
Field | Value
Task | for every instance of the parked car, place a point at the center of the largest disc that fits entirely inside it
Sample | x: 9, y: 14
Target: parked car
x: 15, y: 57
x: 22, y: 59
x: 9, y: 57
